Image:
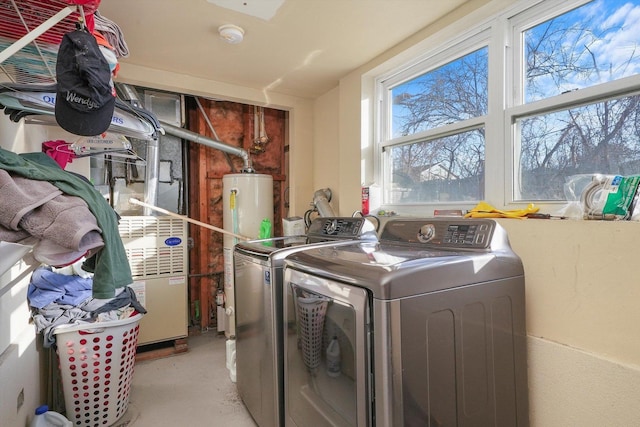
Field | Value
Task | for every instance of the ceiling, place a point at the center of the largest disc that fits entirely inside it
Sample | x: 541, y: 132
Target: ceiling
x: 303, y: 50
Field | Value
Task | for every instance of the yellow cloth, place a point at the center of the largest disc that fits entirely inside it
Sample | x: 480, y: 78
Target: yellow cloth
x: 485, y: 210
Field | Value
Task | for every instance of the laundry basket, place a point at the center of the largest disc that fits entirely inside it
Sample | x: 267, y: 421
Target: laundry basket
x: 96, y: 368
x: 311, y: 312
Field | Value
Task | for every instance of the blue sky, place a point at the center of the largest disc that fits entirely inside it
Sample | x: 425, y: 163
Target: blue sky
x: 617, y: 25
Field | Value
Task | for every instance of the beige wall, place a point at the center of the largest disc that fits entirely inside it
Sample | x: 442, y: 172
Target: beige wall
x: 326, y: 145
x: 21, y: 357
x: 582, y: 320
x: 582, y: 287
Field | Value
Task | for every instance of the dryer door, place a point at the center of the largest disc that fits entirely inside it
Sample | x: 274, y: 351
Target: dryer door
x: 326, y: 352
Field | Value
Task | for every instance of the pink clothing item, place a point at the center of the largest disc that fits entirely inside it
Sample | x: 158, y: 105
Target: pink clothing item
x: 59, y: 151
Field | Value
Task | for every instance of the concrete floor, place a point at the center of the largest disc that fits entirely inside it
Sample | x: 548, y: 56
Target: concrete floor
x: 186, y: 389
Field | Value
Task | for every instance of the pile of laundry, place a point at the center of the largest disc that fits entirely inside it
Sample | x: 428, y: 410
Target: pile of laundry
x: 63, y: 296
x: 85, y: 274
x: 66, y: 214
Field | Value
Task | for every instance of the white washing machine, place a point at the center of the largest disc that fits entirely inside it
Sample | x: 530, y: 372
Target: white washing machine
x: 425, y: 327
x: 258, y: 309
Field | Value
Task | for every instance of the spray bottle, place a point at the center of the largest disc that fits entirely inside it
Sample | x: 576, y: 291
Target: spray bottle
x: 333, y: 358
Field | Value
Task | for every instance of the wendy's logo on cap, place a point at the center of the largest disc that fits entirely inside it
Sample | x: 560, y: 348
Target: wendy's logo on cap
x: 76, y: 99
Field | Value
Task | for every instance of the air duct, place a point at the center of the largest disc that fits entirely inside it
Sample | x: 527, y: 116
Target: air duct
x: 152, y: 157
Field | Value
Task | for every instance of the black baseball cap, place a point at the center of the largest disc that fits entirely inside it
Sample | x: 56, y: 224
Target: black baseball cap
x: 85, y: 98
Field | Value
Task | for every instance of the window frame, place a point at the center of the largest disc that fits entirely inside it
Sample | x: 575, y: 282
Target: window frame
x: 477, y: 38
x: 502, y: 33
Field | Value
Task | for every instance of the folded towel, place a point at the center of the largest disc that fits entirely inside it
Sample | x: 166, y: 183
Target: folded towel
x: 110, y: 264
x: 50, y: 253
x: 111, y: 31
x: 20, y: 196
x: 13, y: 236
x: 65, y: 220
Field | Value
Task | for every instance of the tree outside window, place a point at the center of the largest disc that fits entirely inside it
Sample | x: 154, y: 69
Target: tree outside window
x: 592, y: 45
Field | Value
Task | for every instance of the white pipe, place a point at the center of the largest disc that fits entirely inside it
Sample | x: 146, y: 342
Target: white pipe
x: 152, y: 173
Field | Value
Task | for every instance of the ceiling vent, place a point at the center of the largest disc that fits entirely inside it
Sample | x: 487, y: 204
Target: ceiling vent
x: 263, y: 9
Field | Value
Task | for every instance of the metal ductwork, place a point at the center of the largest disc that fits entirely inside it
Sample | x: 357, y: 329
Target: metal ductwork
x: 209, y: 142
x: 321, y: 199
x: 129, y: 94
x: 152, y: 157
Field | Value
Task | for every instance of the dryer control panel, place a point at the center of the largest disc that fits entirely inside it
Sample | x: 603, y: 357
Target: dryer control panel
x: 340, y: 228
x: 441, y: 233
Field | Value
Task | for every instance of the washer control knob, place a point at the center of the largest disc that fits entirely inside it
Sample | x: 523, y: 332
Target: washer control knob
x: 332, y: 226
x: 426, y: 233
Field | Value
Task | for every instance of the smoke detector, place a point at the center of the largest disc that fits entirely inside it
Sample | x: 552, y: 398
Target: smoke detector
x: 231, y: 33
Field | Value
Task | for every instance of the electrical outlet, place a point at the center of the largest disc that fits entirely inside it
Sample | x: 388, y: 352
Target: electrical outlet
x: 20, y: 400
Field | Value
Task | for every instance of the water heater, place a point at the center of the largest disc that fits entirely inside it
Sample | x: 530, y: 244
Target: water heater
x: 247, y: 202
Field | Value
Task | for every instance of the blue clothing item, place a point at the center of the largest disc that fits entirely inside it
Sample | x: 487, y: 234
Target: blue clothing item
x: 47, y: 287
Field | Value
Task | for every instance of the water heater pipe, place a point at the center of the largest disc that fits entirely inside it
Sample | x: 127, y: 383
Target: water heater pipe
x: 218, y: 145
x: 321, y: 199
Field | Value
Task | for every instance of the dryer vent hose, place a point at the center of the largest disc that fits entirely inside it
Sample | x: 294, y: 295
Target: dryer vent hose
x: 321, y: 199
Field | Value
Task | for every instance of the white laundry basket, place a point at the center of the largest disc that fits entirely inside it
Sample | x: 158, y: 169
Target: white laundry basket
x: 96, y: 367
x: 311, y: 312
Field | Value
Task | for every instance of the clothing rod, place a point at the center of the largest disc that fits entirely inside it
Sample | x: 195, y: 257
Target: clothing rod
x: 185, y: 218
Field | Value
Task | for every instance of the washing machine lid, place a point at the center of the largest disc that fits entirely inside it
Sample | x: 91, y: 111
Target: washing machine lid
x: 274, y: 251
x: 404, y: 263
x: 321, y: 231
x: 263, y: 248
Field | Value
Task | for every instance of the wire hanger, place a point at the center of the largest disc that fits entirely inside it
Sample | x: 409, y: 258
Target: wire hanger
x: 126, y: 152
x: 81, y: 23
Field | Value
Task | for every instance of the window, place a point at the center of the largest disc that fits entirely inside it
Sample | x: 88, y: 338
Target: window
x: 592, y: 44
x: 598, y: 137
x: 469, y: 122
x: 588, y: 50
x: 451, y: 93
x: 437, y: 134
x: 443, y: 169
